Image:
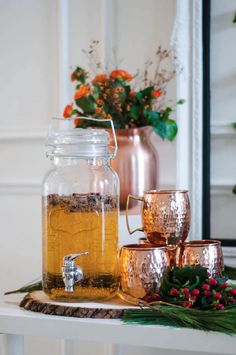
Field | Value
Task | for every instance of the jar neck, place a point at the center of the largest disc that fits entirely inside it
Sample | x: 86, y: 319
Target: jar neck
x: 72, y: 161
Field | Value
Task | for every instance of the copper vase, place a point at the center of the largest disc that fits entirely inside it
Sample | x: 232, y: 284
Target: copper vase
x: 137, y: 163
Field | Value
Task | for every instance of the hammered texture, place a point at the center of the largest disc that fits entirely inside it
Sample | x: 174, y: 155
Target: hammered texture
x: 166, y: 216
x: 205, y: 253
x: 142, y: 269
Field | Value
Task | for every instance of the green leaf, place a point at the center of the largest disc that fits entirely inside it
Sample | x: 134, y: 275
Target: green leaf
x: 86, y: 104
x: 171, y: 129
x: 139, y: 96
x: 180, y: 102
x: 135, y: 112
x: 80, y: 75
x: 234, y: 125
x: 234, y: 20
x: 147, y: 91
x: 166, y: 113
x: 153, y: 117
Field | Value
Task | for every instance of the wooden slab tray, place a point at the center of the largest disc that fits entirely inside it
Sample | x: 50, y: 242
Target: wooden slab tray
x: 38, y: 301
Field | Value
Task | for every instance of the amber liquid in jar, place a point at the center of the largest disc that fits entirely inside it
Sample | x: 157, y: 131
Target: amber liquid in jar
x: 81, y: 223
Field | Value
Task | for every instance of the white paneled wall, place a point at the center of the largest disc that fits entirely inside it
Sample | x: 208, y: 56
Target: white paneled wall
x: 223, y: 114
x: 40, y: 41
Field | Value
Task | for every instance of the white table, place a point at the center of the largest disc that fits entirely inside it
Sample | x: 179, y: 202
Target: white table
x: 16, y: 323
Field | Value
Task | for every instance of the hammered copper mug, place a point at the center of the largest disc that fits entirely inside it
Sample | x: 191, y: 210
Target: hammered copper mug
x: 165, y: 215
x: 142, y: 268
x: 207, y: 253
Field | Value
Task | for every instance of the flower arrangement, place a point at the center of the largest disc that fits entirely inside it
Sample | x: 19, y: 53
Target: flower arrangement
x: 129, y: 100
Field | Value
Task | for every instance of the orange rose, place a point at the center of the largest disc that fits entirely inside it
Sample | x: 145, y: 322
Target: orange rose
x: 156, y: 93
x: 81, y: 92
x: 68, y: 111
x: 120, y: 74
x: 101, y: 78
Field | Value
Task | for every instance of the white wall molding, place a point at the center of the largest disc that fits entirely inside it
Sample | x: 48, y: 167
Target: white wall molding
x: 27, y: 187
x: 63, y: 55
x: 222, y: 189
x: 222, y: 129
x: 109, y: 32
x: 188, y: 36
x: 21, y: 136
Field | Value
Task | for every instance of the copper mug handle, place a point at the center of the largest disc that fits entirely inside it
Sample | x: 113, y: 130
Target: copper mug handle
x: 127, y: 214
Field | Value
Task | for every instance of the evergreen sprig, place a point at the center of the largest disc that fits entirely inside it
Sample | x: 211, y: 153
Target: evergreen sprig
x: 206, y: 320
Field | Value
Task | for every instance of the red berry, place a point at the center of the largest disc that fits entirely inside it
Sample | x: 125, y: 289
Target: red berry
x: 195, y: 292
x: 233, y: 291
x: 231, y: 300
x: 217, y: 296
x: 185, y: 290
x: 154, y: 297
x: 151, y: 298
x: 205, y: 287
x: 207, y: 293
x: 212, y: 281
x: 187, y: 304
x: 220, y: 306
x: 173, y: 292
x: 224, y: 285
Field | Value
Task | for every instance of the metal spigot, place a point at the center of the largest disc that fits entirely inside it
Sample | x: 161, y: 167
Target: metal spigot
x: 70, y: 272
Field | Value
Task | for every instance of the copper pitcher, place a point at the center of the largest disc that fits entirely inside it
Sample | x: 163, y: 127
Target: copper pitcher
x: 137, y: 162
x: 165, y: 215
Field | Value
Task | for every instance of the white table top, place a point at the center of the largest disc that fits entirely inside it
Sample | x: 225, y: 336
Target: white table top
x: 14, y: 320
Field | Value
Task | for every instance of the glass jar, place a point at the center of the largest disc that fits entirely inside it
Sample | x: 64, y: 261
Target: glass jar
x: 80, y: 214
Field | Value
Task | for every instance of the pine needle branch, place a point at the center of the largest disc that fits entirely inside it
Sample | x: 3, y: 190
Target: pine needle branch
x: 35, y: 286
x: 206, y: 320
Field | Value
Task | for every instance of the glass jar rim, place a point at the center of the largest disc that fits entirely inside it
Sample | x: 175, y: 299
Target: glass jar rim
x: 64, y: 139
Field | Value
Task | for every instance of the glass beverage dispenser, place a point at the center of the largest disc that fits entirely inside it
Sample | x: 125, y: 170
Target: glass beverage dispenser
x: 80, y: 214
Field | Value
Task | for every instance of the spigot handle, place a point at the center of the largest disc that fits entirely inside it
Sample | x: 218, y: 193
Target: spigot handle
x: 72, y: 257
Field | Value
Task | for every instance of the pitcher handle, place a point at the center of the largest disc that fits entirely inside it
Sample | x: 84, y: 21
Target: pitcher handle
x: 127, y: 213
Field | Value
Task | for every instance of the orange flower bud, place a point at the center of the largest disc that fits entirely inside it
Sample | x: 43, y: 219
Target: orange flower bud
x: 77, y: 122
x: 120, y: 74
x: 81, y: 92
x: 72, y: 76
x: 68, y: 111
x: 101, y: 78
x: 156, y: 93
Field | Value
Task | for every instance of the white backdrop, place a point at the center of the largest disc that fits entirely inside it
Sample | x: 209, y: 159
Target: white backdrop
x: 39, y: 43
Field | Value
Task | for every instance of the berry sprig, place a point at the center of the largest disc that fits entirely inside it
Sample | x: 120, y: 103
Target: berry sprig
x: 207, y: 293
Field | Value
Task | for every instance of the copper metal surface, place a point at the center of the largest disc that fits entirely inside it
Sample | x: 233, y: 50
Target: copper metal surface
x: 207, y: 253
x: 166, y: 216
x: 142, y: 268
x: 136, y: 163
